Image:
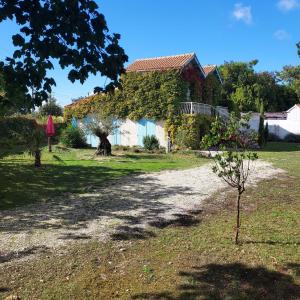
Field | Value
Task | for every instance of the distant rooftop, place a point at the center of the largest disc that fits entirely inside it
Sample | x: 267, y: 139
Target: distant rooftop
x: 209, y: 68
x: 275, y: 115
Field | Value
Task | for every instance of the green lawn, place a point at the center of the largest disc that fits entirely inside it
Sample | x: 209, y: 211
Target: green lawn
x: 69, y: 170
x: 187, y: 260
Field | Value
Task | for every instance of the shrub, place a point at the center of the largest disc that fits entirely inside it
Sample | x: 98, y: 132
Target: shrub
x: 292, y: 138
x: 150, y: 142
x: 73, y: 137
x: 190, y: 131
x: 14, y: 130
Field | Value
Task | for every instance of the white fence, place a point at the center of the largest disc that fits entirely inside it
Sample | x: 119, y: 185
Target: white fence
x: 204, y: 109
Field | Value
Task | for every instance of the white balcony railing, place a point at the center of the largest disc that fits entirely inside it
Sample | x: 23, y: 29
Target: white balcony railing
x: 204, y: 109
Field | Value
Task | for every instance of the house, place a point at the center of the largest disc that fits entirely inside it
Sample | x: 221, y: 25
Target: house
x: 284, y: 123
x: 200, y: 98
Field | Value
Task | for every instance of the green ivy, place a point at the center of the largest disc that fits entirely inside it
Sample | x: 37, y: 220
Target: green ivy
x: 212, y: 90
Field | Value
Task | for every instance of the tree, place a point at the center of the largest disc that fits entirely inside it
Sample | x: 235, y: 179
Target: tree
x: 74, y: 33
x: 238, y: 79
x: 101, y: 126
x: 51, y: 108
x: 290, y: 75
x: 261, y: 127
x: 233, y: 160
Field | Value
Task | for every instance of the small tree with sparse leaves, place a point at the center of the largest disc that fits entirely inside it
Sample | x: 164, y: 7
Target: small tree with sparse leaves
x: 233, y: 160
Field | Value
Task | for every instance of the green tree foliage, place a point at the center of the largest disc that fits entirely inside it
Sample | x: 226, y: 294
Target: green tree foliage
x: 244, y: 89
x: 238, y: 78
x: 290, y: 75
x: 233, y: 163
x: 51, y: 108
x: 74, y: 33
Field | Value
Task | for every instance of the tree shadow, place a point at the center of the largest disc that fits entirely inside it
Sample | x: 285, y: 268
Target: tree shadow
x: 231, y: 281
x: 269, y: 242
x: 281, y: 147
x: 130, y: 203
x: 21, y: 254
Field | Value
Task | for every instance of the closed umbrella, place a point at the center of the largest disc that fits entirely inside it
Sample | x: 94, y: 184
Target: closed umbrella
x: 50, y: 131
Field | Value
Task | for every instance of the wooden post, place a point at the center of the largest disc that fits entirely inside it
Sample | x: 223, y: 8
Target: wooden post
x: 49, y: 144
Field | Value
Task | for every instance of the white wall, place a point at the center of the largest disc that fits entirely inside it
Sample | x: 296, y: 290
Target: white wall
x: 128, y: 131
x: 283, y: 127
x: 294, y: 114
x: 160, y: 133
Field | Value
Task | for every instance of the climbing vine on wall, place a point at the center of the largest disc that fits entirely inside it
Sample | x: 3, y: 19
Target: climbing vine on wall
x: 186, y: 131
x: 212, y: 90
x: 151, y: 95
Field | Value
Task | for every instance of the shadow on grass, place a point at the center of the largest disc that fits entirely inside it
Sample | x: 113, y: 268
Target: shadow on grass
x: 231, y: 281
x: 23, y: 184
x: 129, y: 202
x: 269, y: 242
x: 23, y: 253
x: 281, y: 147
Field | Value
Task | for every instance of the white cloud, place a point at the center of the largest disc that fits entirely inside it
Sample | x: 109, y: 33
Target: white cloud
x: 281, y: 35
x: 242, y: 13
x: 287, y: 5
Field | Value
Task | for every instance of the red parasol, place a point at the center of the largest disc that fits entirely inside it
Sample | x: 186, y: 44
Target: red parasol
x: 50, y: 131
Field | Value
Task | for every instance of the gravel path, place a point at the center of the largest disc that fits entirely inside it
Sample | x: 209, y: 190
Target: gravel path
x: 123, y: 210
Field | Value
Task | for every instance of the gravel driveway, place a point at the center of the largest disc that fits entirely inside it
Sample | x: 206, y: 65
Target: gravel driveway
x: 124, y: 210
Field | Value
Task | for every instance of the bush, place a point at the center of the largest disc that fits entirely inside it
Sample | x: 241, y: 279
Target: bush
x: 150, y: 142
x: 73, y: 137
x: 15, y: 130
x: 292, y: 138
x: 190, y: 130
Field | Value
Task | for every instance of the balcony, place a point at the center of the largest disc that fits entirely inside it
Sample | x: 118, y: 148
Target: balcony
x: 192, y: 108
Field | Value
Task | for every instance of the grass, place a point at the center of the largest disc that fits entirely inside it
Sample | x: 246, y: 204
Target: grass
x: 74, y: 171
x: 196, y: 260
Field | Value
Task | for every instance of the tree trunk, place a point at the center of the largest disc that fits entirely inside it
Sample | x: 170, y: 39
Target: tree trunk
x: 104, y: 147
x: 49, y: 144
x: 37, y: 158
x: 238, y: 223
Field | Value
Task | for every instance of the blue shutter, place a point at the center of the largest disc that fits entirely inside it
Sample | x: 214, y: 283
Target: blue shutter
x: 145, y: 127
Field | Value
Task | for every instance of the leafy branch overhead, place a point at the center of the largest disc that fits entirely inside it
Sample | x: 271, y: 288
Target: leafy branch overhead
x: 74, y: 33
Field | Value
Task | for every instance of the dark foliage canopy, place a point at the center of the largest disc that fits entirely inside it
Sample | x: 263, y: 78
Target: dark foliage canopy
x: 73, y: 32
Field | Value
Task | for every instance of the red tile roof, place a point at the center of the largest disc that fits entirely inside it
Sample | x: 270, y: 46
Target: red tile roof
x: 161, y: 63
x: 209, y: 68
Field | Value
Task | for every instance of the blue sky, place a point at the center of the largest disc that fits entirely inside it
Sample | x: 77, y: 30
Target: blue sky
x: 216, y: 30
